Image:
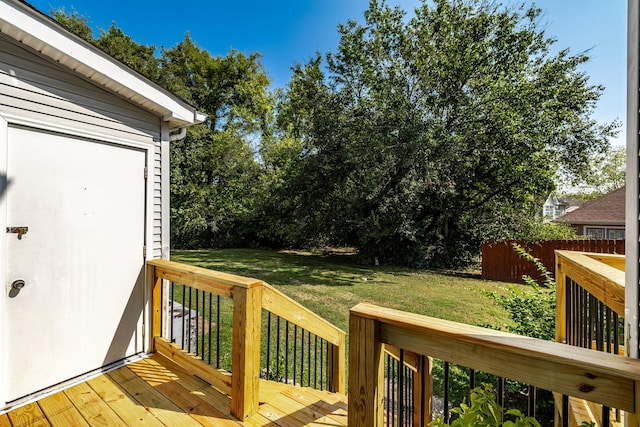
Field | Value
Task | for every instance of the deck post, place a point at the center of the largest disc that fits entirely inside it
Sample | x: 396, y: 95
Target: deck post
x: 336, y: 367
x: 366, y: 372
x: 561, y: 302
x: 632, y: 419
x: 156, y: 304
x: 245, y: 358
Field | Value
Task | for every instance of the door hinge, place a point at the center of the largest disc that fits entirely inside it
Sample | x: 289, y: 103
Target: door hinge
x: 144, y: 252
x: 146, y: 172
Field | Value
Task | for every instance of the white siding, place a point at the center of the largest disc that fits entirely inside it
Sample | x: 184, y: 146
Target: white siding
x: 632, y: 276
x: 41, y: 91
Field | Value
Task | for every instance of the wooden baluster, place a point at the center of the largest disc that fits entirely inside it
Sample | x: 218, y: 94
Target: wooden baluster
x: 561, y: 303
x: 422, y: 392
x: 336, y: 367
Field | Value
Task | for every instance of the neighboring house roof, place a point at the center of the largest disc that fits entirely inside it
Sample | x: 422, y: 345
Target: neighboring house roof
x: 570, y: 203
x: 563, y: 201
x: 606, y: 210
x: 24, y: 23
x: 555, y: 206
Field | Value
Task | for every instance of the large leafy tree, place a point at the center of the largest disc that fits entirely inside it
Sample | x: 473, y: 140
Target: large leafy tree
x: 137, y: 56
x: 414, y: 141
x: 291, y: 165
x: 432, y: 133
x: 75, y: 22
x: 607, y: 172
x: 113, y: 41
x: 215, y: 176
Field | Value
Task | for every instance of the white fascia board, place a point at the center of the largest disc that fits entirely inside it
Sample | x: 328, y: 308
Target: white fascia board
x: 200, y: 117
x: 30, y: 27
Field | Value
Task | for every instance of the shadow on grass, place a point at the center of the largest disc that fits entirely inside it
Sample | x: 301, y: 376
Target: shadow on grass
x: 281, y: 268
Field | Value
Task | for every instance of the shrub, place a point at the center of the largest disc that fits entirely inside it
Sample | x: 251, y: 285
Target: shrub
x: 485, y: 411
x: 533, y: 311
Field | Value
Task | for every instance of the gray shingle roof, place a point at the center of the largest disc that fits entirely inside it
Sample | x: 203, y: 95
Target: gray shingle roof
x: 606, y: 210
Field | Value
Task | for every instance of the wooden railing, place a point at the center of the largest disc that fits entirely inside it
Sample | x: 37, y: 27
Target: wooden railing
x: 601, y: 275
x: 275, y: 302
x: 590, y: 310
x: 407, y: 389
x: 249, y: 298
x: 596, y: 376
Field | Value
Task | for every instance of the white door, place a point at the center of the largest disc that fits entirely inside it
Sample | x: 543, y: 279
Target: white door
x: 81, y: 260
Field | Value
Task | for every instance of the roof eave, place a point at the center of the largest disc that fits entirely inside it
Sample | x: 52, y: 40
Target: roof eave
x: 26, y: 25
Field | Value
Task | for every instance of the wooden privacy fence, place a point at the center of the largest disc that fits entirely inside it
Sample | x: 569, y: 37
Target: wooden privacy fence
x: 501, y: 262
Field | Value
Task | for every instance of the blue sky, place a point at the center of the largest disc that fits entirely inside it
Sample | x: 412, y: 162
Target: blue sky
x: 289, y: 31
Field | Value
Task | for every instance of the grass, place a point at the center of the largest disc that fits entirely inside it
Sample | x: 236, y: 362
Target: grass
x: 330, y: 285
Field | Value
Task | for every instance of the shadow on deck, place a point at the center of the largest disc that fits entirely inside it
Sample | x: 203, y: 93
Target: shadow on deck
x: 157, y: 392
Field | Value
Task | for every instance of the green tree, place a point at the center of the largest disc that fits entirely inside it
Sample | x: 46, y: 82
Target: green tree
x: 113, y: 41
x: 607, y: 172
x: 433, y: 133
x: 74, y: 22
x: 292, y: 168
x: 137, y: 56
x: 215, y: 176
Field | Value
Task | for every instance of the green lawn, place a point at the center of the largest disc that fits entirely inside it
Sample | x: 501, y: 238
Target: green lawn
x: 331, y: 285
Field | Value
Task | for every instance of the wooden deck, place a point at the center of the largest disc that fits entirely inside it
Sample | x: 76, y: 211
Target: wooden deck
x: 157, y: 392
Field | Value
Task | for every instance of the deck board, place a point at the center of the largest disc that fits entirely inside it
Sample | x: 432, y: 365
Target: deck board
x: 146, y: 395
x: 157, y: 392
x: 4, y: 421
x: 60, y: 411
x: 122, y: 403
x: 192, y: 384
x: 336, y: 411
x: 28, y: 415
x: 93, y: 409
x: 294, y: 413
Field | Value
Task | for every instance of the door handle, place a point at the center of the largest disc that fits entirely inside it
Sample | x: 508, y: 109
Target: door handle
x: 19, y: 230
x: 16, y: 287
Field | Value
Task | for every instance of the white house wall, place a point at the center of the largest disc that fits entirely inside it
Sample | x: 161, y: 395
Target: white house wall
x: 38, y: 92
x: 632, y: 276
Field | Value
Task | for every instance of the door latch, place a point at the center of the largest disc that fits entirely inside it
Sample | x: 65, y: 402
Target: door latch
x: 19, y: 230
x: 16, y: 287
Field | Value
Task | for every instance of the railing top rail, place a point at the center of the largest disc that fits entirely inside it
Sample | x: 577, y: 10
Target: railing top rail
x: 202, y: 278
x: 595, y: 376
x: 615, y: 261
x: 273, y: 300
x: 604, y: 281
x: 288, y: 309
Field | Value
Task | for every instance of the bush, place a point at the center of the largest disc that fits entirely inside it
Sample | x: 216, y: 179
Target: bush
x: 533, y: 311
x: 485, y: 411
